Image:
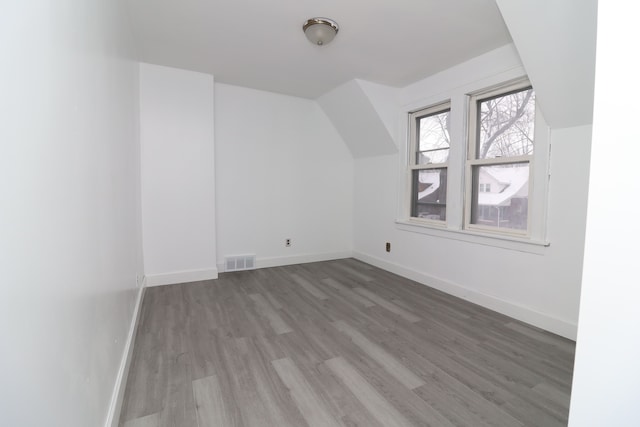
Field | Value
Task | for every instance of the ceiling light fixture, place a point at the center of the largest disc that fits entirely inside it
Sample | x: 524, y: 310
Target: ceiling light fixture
x: 320, y: 31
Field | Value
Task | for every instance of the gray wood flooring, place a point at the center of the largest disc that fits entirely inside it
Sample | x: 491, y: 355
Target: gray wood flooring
x: 337, y: 343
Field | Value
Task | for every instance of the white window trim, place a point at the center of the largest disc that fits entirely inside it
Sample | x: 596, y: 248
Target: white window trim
x: 453, y: 227
x: 472, y: 161
x: 413, y: 165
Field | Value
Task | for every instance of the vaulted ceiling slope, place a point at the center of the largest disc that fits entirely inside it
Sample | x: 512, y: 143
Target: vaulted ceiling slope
x: 260, y: 44
x: 556, y: 41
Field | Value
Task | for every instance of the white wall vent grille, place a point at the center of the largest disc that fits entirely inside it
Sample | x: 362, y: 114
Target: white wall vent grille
x: 239, y: 262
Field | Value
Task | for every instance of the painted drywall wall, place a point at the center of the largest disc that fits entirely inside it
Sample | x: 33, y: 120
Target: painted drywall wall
x: 556, y: 42
x: 178, y: 178
x: 606, y: 373
x: 282, y: 171
x: 541, y: 286
x: 69, y: 215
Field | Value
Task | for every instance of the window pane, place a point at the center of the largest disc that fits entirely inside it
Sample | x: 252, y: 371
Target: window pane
x: 505, y: 125
x: 433, y: 142
x: 429, y: 194
x: 501, y: 196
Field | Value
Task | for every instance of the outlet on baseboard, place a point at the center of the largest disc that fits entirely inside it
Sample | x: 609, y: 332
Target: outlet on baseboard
x: 287, y: 242
x: 388, y: 247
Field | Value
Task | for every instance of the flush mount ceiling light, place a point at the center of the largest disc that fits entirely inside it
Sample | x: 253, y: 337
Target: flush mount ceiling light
x: 320, y: 31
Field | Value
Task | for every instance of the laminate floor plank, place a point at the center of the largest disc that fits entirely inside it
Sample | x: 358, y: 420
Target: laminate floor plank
x: 337, y: 343
x: 354, y: 272
x: 309, y: 404
x: 431, y: 351
x: 257, y: 395
x: 152, y: 420
x: 308, y: 286
x: 273, y: 300
x: 559, y: 376
x: 414, y: 300
x: 277, y: 324
x: 272, y: 391
x: 464, y: 404
x: 210, y: 406
x: 348, y: 293
x: 385, y: 413
x: 384, y: 359
x: 408, y: 316
x: 327, y: 389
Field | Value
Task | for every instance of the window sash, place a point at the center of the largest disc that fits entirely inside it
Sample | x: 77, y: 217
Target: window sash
x: 473, y: 194
x: 414, y: 166
x: 414, y: 137
x: 474, y: 162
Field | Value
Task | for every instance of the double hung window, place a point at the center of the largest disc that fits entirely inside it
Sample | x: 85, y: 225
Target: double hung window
x: 482, y: 180
x: 500, y: 153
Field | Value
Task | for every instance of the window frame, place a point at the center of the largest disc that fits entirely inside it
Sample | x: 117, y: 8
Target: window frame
x: 472, y: 161
x: 413, y: 165
x: 458, y: 98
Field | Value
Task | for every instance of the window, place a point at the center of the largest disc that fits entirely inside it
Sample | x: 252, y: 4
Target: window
x: 430, y: 146
x: 478, y: 166
x: 501, y: 144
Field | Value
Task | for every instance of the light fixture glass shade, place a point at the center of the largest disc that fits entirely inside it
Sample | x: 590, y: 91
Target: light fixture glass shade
x: 320, y: 31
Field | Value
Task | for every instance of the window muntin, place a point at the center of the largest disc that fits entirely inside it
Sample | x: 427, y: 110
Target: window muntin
x: 501, y: 150
x: 430, y: 146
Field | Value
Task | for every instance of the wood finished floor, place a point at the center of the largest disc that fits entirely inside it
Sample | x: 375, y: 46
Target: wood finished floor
x: 338, y: 343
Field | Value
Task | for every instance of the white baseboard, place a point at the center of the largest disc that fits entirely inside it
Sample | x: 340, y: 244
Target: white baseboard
x: 113, y: 416
x: 181, y: 277
x: 296, y: 259
x: 525, y: 314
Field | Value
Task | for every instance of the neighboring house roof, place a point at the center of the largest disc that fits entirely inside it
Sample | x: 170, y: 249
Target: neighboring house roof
x: 433, y: 183
x: 514, y: 183
x: 511, y: 182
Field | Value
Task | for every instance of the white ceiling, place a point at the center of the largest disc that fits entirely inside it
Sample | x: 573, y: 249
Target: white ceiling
x: 260, y: 44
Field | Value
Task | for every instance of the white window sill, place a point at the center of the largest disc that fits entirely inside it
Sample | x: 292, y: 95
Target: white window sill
x: 521, y: 244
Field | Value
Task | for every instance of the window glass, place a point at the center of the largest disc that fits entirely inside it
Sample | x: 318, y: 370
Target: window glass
x: 430, y: 194
x: 433, y: 136
x: 505, y: 125
x: 507, y: 205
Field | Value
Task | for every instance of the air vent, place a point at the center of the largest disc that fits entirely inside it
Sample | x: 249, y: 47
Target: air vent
x: 239, y: 262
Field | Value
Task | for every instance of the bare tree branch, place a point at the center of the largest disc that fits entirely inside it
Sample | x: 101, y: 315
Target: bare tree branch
x: 506, y: 125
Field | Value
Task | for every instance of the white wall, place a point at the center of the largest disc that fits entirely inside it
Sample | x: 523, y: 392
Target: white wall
x: 178, y: 179
x: 538, y: 285
x: 607, y: 373
x: 556, y: 41
x: 69, y: 214
x: 282, y: 171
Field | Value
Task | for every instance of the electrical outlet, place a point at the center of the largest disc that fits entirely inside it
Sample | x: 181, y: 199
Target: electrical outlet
x: 287, y: 242
x: 388, y: 247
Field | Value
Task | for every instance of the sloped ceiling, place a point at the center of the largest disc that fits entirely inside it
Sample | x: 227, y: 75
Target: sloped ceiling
x: 260, y: 44
x: 357, y: 121
x: 556, y: 41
